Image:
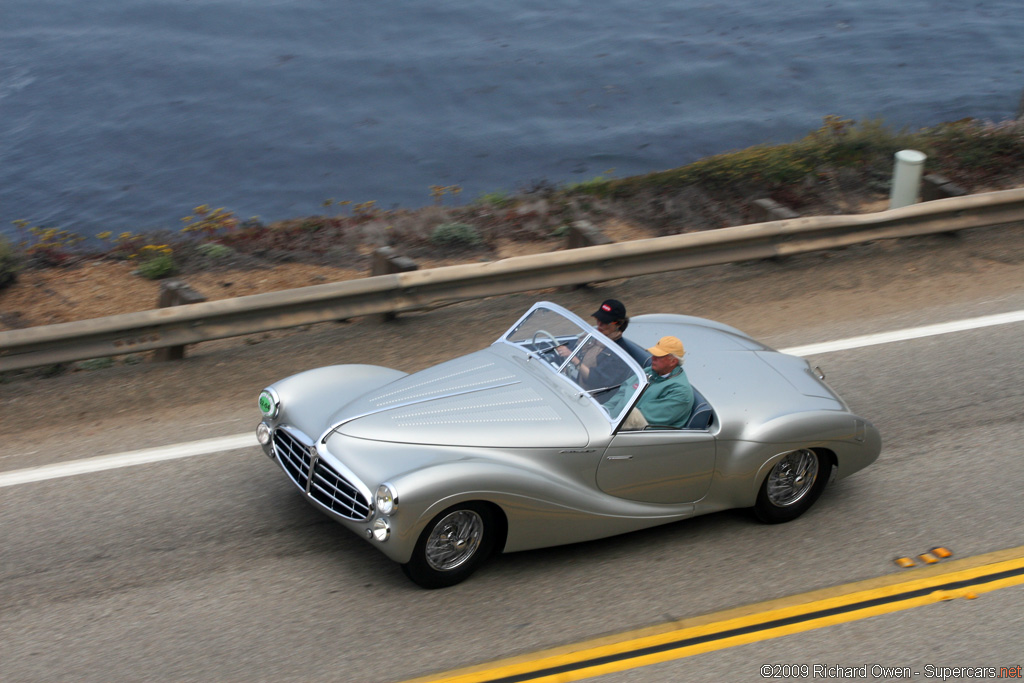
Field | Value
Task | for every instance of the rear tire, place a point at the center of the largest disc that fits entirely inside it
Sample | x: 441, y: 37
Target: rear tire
x: 453, y: 546
x: 792, y: 486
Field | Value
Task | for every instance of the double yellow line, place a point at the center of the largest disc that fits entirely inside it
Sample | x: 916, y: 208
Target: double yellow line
x: 966, y: 578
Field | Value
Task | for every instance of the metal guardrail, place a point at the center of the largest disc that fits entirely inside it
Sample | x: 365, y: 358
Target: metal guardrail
x: 192, y: 323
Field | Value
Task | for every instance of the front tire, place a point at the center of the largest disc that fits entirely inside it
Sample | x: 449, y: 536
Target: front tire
x: 452, y: 546
x: 792, y: 486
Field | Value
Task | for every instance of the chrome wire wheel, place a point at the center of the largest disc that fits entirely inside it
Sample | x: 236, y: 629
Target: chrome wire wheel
x: 792, y: 478
x: 454, y: 540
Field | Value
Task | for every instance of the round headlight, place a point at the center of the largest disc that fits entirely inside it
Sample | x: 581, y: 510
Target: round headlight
x: 381, y: 529
x: 387, y: 499
x: 263, y: 433
x: 270, y: 404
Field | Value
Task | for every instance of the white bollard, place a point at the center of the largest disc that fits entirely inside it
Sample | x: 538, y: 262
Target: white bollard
x: 906, y: 178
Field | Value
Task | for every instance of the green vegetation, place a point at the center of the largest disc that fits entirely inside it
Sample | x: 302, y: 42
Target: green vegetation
x: 214, y: 250
x: 455, y: 235
x: 598, y: 185
x: 95, y: 364
x: 985, y: 150
x: 47, y: 246
x: 978, y: 149
x: 437, y: 192
x: 155, y: 260
x: 561, y: 231
x: 208, y: 222
x: 10, y: 264
x: 157, y: 265
x: 497, y: 200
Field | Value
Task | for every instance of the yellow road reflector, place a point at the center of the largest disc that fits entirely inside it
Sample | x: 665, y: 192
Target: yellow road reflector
x: 904, y: 562
x: 928, y: 558
x: 941, y: 552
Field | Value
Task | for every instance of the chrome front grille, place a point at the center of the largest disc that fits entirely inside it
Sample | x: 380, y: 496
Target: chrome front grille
x: 329, y: 488
x: 335, y: 492
x: 295, y: 457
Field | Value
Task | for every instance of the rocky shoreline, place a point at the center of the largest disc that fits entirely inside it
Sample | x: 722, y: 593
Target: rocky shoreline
x: 842, y: 168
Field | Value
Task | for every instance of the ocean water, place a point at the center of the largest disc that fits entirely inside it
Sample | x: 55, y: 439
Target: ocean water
x: 124, y: 115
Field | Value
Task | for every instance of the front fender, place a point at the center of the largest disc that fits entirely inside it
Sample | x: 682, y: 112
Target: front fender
x: 309, y: 398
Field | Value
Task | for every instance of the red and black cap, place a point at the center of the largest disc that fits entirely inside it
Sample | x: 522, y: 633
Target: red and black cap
x: 610, y: 311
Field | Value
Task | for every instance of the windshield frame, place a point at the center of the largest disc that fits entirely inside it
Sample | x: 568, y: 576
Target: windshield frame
x: 584, y: 333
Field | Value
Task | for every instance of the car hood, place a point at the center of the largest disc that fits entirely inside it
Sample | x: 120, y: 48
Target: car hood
x: 482, y: 399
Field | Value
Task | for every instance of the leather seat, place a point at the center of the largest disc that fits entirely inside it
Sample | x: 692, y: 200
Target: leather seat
x: 701, y: 415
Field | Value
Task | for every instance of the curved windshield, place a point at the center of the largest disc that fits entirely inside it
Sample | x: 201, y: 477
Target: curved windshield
x: 595, y: 365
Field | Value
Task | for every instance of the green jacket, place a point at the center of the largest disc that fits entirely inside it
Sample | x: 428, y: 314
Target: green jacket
x: 667, y: 401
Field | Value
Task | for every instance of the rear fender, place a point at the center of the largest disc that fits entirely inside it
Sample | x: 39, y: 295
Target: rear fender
x: 854, y: 442
x: 811, y: 426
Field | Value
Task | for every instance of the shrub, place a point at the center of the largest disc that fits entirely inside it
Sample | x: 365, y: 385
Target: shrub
x: 985, y: 148
x: 209, y: 221
x: 439, y: 191
x: 599, y: 186
x: 213, y: 250
x: 838, y: 143
x: 455, y: 235
x: 155, y: 261
x: 95, y: 364
x: 10, y: 264
x: 498, y: 200
x: 47, y: 246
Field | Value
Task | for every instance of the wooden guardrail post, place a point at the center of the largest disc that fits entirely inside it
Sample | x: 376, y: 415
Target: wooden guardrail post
x: 175, y: 293
x: 584, y: 234
x: 386, y: 261
x: 767, y: 210
x: 936, y: 186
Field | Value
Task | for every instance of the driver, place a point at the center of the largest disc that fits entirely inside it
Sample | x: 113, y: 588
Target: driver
x: 596, y: 366
x: 668, y: 399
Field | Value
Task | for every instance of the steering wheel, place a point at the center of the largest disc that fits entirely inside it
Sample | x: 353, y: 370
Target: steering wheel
x: 550, y: 337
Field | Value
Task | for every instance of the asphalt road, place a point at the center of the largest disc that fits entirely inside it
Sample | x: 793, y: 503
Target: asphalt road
x: 213, y: 568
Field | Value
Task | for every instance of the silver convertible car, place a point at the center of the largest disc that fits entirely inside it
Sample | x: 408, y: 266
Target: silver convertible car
x: 507, y: 449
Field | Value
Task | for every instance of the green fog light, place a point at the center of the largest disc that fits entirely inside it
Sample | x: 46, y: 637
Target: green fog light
x: 270, y: 404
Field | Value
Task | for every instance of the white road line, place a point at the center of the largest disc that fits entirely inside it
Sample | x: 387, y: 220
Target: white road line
x: 110, y: 462
x: 904, y: 335
x: 227, y: 443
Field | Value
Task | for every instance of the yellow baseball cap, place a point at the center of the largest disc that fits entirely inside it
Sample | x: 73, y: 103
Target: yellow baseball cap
x: 666, y: 346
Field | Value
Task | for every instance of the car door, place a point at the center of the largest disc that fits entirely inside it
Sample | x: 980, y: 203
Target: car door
x: 658, y: 466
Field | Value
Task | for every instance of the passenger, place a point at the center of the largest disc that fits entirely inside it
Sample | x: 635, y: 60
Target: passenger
x: 668, y: 400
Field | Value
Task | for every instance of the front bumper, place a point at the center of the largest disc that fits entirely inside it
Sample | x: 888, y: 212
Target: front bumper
x: 331, y: 487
